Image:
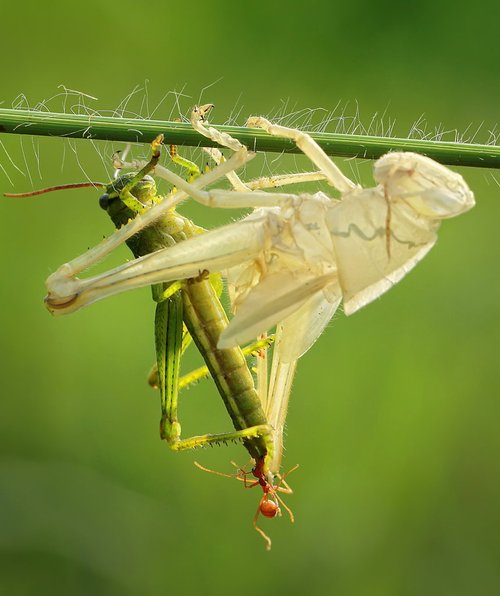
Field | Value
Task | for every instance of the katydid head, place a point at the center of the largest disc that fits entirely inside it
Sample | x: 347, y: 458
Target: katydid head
x: 125, y: 197
x: 143, y: 190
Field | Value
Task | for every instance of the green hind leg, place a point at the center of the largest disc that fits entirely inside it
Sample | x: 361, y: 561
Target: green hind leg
x: 171, y: 341
x: 168, y: 337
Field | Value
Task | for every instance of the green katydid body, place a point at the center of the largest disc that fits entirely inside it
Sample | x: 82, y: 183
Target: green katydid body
x: 196, y: 303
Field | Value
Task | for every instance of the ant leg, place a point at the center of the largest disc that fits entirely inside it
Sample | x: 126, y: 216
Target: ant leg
x: 214, y: 471
x: 285, y: 506
x: 260, y: 530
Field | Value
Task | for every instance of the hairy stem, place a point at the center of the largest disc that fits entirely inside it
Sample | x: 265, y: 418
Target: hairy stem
x: 32, y: 122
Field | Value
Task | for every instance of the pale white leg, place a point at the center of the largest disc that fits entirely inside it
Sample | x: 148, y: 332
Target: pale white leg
x: 61, y: 285
x: 214, y: 251
x: 229, y: 199
x: 310, y: 148
x: 261, y: 366
x: 265, y: 181
x: 236, y: 182
x: 198, y: 121
x: 226, y: 199
x: 280, y: 386
x: 284, y: 180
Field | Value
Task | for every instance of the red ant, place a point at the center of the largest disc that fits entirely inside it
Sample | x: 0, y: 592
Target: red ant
x: 269, y: 505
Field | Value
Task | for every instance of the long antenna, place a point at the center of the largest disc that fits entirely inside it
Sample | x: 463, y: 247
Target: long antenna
x: 42, y: 191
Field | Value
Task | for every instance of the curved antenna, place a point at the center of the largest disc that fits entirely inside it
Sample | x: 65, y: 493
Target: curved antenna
x: 51, y: 188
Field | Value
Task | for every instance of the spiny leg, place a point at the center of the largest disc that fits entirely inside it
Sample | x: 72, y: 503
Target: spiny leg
x: 178, y: 444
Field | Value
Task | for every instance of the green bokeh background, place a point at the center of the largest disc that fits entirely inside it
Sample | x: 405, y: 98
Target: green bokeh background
x: 394, y: 417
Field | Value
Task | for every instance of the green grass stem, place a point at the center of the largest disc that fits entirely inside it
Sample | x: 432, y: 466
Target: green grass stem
x: 80, y: 126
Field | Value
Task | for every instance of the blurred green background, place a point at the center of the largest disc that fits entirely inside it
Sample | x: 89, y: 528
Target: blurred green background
x: 394, y: 416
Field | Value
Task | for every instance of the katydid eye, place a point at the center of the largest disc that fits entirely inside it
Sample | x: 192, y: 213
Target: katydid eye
x: 104, y: 201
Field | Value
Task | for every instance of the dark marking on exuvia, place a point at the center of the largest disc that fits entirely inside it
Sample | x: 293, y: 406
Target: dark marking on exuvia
x: 378, y: 233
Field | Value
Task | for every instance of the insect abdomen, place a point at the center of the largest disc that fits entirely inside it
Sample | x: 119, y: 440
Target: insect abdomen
x: 205, y: 319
